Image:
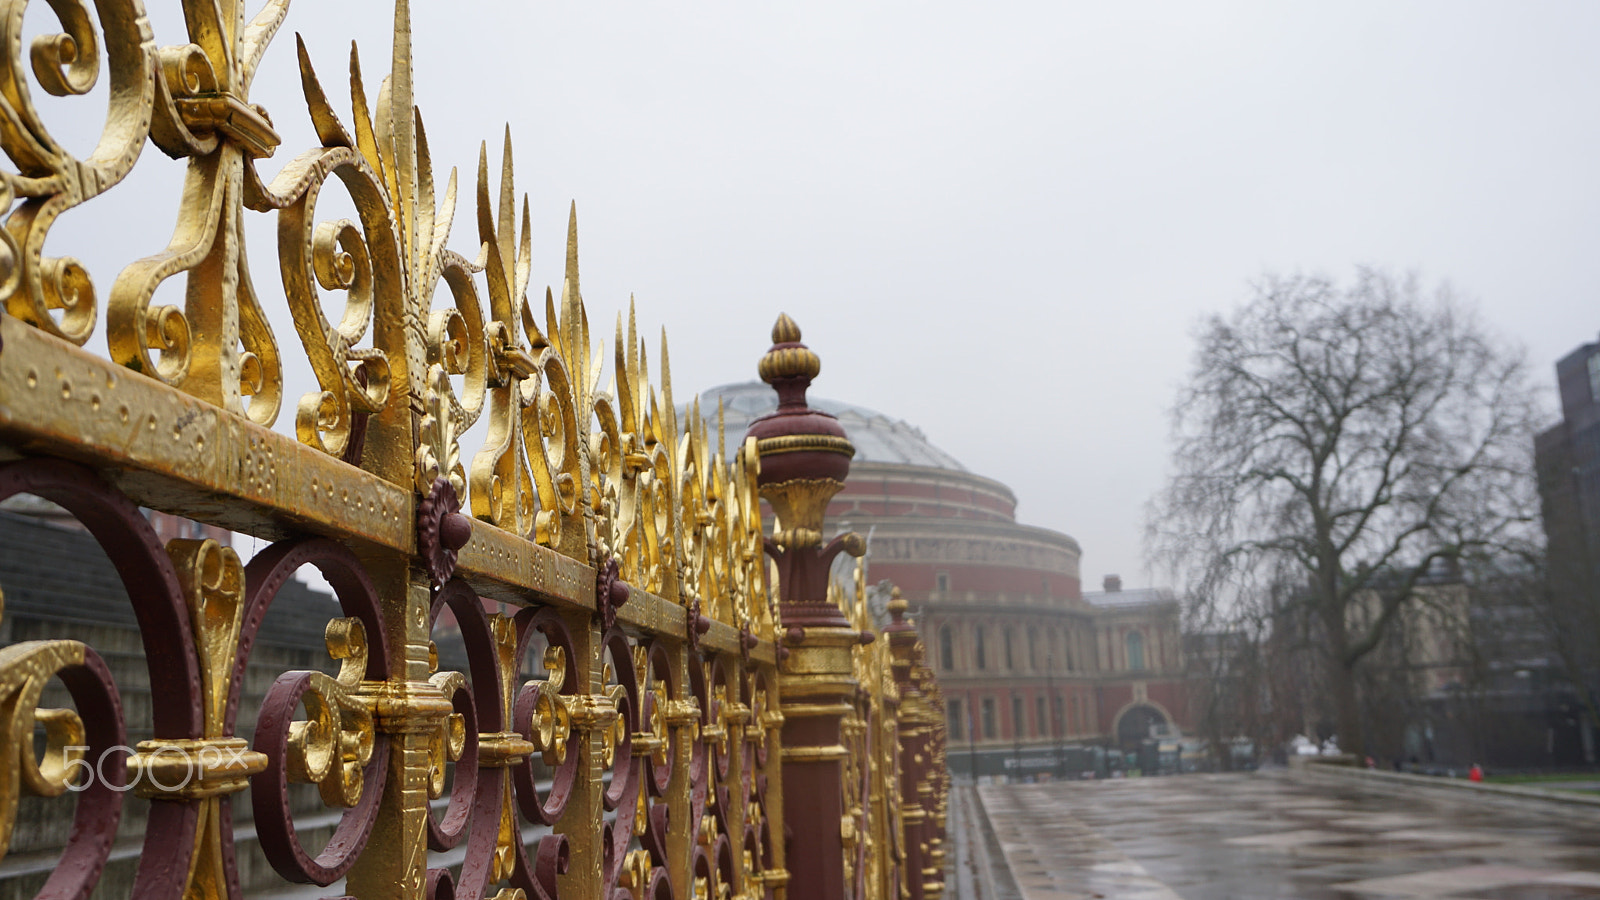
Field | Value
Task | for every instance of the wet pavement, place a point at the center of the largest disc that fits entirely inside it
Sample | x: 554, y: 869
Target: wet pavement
x: 1274, y: 835
x: 976, y: 866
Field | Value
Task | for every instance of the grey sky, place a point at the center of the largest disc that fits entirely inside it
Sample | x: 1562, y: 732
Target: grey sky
x: 997, y: 221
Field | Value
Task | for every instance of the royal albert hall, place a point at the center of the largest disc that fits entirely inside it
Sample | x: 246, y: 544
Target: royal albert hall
x: 1035, y: 670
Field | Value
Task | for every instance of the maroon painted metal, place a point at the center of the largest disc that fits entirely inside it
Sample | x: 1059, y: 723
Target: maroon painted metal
x: 622, y: 796
x: 917, y: 751
x: 658, y: 672
x: 264, y: 577
x: 547, y: 809
x: 478, y: 703
x: 94, y: 823
x: 157, y: 601
x: 270, y: 795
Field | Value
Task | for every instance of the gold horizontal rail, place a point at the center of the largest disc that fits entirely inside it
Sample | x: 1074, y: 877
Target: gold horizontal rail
x: 173, y: 452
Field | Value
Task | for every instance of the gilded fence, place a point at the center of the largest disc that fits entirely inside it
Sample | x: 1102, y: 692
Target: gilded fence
x: 660, y: 700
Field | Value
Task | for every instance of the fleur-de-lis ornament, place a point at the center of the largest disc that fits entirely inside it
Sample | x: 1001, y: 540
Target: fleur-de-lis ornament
x: 388, y: 266
x: 219, y: 347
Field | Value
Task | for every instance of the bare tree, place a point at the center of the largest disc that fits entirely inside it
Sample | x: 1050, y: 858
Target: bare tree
x: 1342, y: 440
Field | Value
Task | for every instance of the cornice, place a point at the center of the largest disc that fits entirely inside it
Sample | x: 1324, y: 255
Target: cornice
x: 944, y: 528
x: 868, y: 469
x: 1037, y: 609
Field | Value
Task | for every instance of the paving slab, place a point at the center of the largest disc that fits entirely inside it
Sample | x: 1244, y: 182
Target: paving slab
x: 1274, y: 836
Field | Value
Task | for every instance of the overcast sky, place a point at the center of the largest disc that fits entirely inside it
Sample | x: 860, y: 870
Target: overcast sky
x: 999, y: 222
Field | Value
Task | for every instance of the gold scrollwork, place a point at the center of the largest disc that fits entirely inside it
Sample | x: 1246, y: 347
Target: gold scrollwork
x: 25, y: 668
x: 449, y: 738
x: 55, y: 293
x: 332, y: 746
x: 654, y: 743
x: 635, y: 876
x: 552, y: 715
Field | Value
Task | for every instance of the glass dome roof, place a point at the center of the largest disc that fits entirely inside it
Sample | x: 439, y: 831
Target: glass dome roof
x: 877, y: 437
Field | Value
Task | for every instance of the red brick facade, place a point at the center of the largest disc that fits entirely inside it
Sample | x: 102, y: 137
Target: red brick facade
x: 1056, y: 668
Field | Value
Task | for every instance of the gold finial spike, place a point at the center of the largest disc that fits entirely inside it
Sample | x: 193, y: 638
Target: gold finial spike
x: 501, y: 305
x: 524, y: 265
x: 642, y: 361
x: 506, y: 222
x: 621, y: 376
x: 633, y: 346
x: 401, y: 117
x: 785, y: 330
x: 668, y: 410
x: 572, y: 248
x: 366, y: 134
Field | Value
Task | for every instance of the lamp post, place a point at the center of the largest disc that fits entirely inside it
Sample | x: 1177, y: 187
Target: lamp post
x: 1055, y: 707
x: 1016, y: 739
x: 972, y: 741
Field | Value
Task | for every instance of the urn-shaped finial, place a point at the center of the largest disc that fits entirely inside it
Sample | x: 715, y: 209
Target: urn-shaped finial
x: 790, y: 365
x: 797, y: 443
x: 897, y: 609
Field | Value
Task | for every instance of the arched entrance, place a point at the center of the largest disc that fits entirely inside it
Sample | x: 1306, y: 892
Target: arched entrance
x: 1137, y: 724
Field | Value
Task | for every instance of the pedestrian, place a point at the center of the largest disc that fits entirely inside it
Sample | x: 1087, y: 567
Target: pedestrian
x: 1476, y: 774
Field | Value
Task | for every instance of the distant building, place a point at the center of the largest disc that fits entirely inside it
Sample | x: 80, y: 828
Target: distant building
x: 166, y: 525
x: 1567, y: 461
x: 1564, y: 662
x: 1030, y: 665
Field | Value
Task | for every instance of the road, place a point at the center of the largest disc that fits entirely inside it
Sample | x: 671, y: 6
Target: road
x: 1276, y: 836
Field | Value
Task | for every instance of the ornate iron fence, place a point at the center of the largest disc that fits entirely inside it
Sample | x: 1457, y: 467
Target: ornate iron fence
x: 708, y: 730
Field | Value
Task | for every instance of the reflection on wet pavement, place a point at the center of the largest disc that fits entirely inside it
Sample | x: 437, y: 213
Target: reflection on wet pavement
x: 1274, y: 836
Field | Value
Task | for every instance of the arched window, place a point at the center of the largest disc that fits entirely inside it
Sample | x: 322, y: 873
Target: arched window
x: 1135, y: 651
x: 1033, y: 650
x: 983, y: 658
x: 947, y: 649
x: 1010, y: 661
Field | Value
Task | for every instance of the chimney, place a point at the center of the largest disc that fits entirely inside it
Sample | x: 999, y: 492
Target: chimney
x: 1113, y: 583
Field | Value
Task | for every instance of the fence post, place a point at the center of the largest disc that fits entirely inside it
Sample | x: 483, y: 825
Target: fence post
x: 409, y: 710
x: 805, y: 458
x: 585, y: 814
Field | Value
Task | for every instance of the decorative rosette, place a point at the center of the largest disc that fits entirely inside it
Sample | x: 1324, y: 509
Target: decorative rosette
x: 610, y: 592
x: 441, y: 530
